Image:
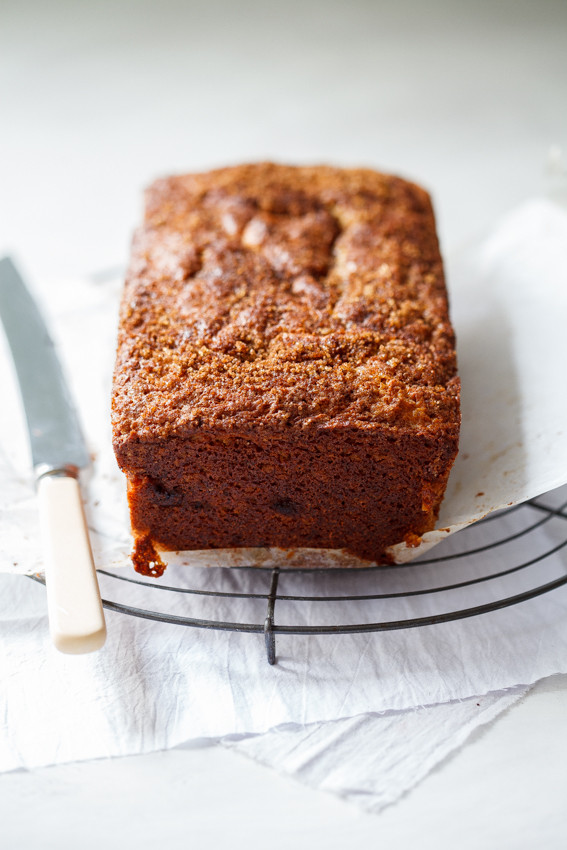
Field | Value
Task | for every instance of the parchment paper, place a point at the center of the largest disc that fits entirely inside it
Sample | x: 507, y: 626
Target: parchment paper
x: 508, y: 292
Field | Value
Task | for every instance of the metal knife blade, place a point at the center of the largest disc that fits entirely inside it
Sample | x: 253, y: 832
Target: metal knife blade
x: 76, y: 618
x: 55, y: 434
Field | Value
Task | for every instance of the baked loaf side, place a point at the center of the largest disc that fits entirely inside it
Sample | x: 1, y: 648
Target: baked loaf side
x: 286, y: 371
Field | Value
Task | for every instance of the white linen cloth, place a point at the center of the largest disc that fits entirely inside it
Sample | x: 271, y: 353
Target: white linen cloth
x: 156, y: 685
x: 372, y: 760
x: 153, y: 691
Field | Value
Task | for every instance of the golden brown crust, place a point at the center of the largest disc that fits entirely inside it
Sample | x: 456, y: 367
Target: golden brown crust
x: 263, y: 298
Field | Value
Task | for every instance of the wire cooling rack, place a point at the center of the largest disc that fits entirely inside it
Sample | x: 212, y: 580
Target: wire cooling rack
x: 506, y: 559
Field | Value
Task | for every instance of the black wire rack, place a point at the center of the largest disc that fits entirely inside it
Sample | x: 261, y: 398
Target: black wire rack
x: 508, y: 558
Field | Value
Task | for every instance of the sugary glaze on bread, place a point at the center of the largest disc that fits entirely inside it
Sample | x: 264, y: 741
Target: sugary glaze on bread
x: 286, y: 371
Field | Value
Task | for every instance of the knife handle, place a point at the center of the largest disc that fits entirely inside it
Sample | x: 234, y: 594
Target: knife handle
x: 76, y: 618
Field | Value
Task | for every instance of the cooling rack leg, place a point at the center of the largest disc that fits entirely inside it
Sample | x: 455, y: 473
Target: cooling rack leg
x: 270, y: 639
x: 269, y: 635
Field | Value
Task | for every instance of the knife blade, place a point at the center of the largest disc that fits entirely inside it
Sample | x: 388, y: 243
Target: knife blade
x: 76, y: 618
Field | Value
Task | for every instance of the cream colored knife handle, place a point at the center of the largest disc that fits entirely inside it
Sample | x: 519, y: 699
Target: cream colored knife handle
x: 76, y: 618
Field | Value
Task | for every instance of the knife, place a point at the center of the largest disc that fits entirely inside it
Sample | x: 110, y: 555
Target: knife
x: 76, y: 618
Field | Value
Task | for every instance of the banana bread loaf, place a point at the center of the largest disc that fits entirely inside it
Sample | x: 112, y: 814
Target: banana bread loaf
x: 286, y: 371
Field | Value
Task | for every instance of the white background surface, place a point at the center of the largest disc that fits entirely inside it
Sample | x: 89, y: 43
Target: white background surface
x: 96, y: 100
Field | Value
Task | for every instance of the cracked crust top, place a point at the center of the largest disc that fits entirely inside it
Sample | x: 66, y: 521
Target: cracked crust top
x: 276, y: 295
